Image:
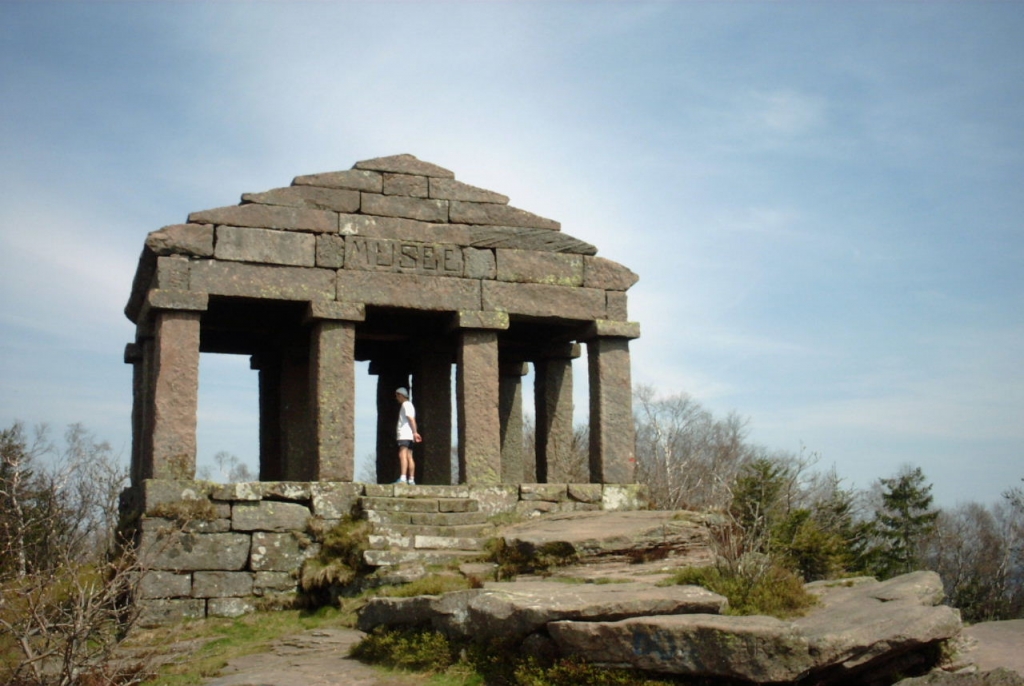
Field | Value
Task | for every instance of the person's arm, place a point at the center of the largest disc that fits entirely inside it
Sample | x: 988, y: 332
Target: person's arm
x: 415, y: 432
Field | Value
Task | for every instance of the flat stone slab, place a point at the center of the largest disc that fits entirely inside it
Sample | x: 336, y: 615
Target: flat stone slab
x: 515, y: 610
x: 602, y: 534
x: 859, y: 627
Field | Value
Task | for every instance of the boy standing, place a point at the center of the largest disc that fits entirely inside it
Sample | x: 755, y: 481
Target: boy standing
x: 407, y: 436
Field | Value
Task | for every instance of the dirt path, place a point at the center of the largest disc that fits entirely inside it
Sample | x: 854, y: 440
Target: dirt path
x: 312, y: 658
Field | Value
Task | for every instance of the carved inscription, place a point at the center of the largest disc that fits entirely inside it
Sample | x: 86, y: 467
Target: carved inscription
x: 385, y: 255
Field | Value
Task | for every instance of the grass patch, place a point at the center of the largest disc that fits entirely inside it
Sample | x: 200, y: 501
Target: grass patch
x: 772, y: 590
x: 227, y: 639
x: 435, y: 584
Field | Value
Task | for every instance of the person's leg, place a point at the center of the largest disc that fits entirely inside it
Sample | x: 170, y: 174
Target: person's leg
x: 404, y: 457
x: 411, y: 466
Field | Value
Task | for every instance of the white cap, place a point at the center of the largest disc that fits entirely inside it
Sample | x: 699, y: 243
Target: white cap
x: 403, y: 392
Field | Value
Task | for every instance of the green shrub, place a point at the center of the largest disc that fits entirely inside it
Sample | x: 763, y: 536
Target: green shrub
x: 435, y: 584
x: 340, y: 560
x: 406, y: 649
x: 753, y: 590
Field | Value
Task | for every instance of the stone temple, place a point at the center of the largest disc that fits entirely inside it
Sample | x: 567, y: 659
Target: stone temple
x: 397, y: 263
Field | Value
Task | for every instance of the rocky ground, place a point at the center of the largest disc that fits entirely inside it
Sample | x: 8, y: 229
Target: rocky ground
x: 318, y: 657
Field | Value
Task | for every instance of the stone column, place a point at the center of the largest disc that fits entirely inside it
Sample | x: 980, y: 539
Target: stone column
x: 332, y: 384
x: 432, y: 382
x: 332, y: 389
x: 295, y: 416
x: 391, y: 375
x: 477, y: 396
x: 553, y: 404
x: 612, y: 446
x: 510, y: 414
x: 133, y: 356
x: 269, y: 365
x: 173, y: 388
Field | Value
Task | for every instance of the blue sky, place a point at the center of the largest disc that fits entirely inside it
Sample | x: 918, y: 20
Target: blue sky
x: 823, y: 200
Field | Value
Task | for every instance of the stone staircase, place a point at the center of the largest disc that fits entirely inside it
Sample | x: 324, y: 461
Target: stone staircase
x: 427, y: 525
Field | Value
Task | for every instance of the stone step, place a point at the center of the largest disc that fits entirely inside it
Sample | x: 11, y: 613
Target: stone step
x: 390, y: 542
x: 456, y: 530
x: 381, y: 558
x: 417, y: 491
x: 407, y: 504
x: 392, y: 518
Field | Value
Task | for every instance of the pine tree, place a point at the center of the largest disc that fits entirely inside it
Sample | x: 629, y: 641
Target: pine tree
x: 901, y: 524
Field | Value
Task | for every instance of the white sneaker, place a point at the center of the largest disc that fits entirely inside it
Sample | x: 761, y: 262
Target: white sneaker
x: 412, y: 482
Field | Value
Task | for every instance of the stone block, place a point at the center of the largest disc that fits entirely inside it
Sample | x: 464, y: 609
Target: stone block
x: 494, y: 500
x: 171, y: 611
x: 182, y: 239
x: 474, y: 319
x: 354, y: 179
x: 586, y: 493
x: 450, y: 189
x: 157, y: 492
x: 607, y: 275
x: 194, y: 551
x: 270, y: 217
x: 312, y: 197
x: 530, y: 266
x: 617, y: 304
x: 222, y: 584
x: 411, y: 291
x: 479, y: 264
x: 408, y: 208
x: 525, y: 238
x: 330, y: 251
x: 533, y: 508
x: 542, y: 300
x: 605, y: 328
x: 217, y: 525
x: 279, y: 552
x: 334, y: 500
x: 404, y: 164
x: 379, y: 490
x: 336, y: 311
x: 407, y: 257
x: 495, y: 214
x: 399, y: 504
x: 269, y: 515
x: 624, y: 497
x: 246, y: 490
x: 425, y: 491
x: 171, y: 273
x: 158, y: 299
x: 154, y: 584
x: 552, y: 492
x: 400, y: 229
x: 273, y: 282
x: 265, y: 246
x: 405, y: 184
x: 457, y: 505
x: 229, y: 607
x: 268, y: 583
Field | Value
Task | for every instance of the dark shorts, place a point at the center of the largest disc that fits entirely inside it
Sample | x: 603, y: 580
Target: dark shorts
x: 405, y: 444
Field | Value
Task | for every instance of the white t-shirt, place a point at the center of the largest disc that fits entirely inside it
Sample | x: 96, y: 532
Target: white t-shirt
x: 404, y: 427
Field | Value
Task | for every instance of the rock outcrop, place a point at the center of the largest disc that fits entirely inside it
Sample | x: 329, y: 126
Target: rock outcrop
x: 862, y: 632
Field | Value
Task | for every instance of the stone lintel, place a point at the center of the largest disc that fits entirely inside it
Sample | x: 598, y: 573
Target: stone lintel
x: 270, y: 217
x: 411, y: 291
x: 353, y: 179
x: 172, y: 273
x: 470, y: 319
x: 561, y: 351
x: 333, y: 310
x: 603, y: 328
x: 404, y: 164
x: 543, y: 300
x: 618, y: 305
x: 275, y: 282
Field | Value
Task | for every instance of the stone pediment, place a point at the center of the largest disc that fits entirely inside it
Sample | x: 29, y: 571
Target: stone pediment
x: 325, y: 232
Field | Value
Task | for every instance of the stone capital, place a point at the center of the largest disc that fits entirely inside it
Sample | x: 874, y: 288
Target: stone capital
x: 164, y: 299
x: 561, y: 351
x: 603, y: 328
x: 332, y: 310
x: 479, y: 319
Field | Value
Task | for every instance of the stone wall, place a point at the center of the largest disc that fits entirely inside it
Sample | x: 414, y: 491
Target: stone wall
x: 215, y: 550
